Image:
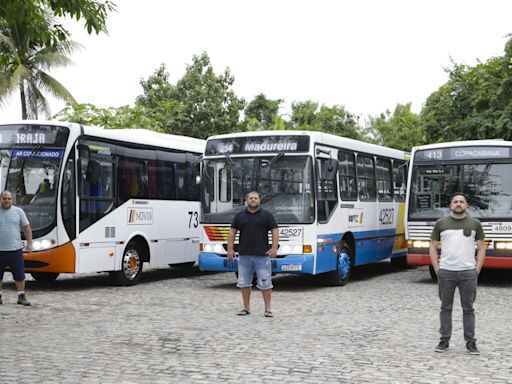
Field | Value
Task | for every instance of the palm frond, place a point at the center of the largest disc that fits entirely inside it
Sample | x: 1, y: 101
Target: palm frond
x: 51, y: 60
x: 51, y: 85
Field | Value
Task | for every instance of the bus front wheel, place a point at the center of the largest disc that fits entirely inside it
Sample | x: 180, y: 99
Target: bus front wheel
x: 131, y: 267
x: 341, y: 274
x: 45, y: 277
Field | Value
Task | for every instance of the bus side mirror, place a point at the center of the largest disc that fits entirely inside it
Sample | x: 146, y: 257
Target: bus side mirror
x: 332, y: 169
x: 92, y: 172
x: 399, y: 180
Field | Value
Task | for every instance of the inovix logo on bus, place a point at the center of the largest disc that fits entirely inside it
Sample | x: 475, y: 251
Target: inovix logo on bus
x: 140, y: 216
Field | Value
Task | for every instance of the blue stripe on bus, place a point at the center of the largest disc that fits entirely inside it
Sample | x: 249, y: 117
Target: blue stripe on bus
x: 371, y: 246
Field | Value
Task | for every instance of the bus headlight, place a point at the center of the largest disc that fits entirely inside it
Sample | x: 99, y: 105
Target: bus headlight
x: 503, y: 245
x: 39, y: 245
x: 420, y: 244
x: 218, y: 248
x: 286, y: 249
x: 208, y: 248
x: 297, y: 249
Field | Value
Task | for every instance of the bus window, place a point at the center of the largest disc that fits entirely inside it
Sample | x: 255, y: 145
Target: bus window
x: 224, y: 185
x: 96, y: 187
x: 327, y: 194
x: 366, y: 178
x: 384, y: 188
x: 399, y: 180
x: 69, y: 197
x: 347, y: 176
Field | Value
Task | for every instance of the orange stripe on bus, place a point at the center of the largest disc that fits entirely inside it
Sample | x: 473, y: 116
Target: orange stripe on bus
x: 59, y: 259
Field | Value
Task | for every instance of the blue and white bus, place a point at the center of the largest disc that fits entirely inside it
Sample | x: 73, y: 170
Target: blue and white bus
x: 339, y: 202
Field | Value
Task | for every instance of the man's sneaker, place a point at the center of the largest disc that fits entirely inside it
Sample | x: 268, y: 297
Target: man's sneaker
x: 23, y: 300
x: 442, y: 346
x: 472, y: 349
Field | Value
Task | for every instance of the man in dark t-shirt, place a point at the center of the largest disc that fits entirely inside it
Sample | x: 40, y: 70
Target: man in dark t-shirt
x: 253, y: 223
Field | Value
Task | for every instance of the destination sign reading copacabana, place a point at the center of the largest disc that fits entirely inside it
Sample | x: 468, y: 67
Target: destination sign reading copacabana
x: 257, y: 144
x: 463, y: 153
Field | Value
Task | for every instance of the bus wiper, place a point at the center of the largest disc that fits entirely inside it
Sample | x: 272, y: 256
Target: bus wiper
x: 275, y: 158
x: 231, y: 165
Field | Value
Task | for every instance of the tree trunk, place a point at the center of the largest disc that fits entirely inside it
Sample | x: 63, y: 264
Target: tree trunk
x: 23, y: 103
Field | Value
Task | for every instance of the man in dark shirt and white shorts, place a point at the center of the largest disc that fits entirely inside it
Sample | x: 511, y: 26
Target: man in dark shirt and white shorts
x: 253, y: 248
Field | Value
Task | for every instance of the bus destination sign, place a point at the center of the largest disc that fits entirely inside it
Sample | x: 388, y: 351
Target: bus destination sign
x: 33, y: 135
x: 463, y: 153
x: 257, y: 144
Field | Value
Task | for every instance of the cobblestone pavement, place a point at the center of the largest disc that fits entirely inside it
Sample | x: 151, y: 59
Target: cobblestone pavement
x: 180, y: 326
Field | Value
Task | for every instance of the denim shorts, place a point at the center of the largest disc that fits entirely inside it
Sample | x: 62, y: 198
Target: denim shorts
x: 13, y: 259
x: 248, y: 265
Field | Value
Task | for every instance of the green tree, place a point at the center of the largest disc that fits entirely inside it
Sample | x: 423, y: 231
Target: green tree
x: 336, y: 120
x: 263, y: 111
x: 32, y: 15
x: 160, y: 101
x: 475, y: 103
x: 121, y: 117
x: 25, y: 65
x: 209, y: 105
x: 400, y: 130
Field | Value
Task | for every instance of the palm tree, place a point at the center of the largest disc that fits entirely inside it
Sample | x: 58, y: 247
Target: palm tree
x: 24, y: 67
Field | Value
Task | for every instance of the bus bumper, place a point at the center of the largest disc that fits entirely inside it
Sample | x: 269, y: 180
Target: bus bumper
x: 497, y: 262
x: 300, y: 264
x: 418, y: 259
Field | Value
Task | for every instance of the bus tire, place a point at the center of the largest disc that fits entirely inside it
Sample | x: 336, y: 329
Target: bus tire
x: 433, y: 274
x: 45, y: 277
x: 341, y: 274
x: 131, y: 266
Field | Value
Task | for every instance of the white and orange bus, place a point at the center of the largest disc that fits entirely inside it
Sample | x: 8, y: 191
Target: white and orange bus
x: 103, y: 200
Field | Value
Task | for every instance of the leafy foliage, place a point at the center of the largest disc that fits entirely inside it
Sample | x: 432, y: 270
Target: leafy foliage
x: 262, y: 113
x: 209, y: 105
x: 335, y: 119
x: 31, y: 16
x: 400, y: 130
x: 25, y: 65
x: 475, y: 103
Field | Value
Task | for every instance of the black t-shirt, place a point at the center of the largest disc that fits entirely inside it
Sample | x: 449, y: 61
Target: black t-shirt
x: 253, y: 228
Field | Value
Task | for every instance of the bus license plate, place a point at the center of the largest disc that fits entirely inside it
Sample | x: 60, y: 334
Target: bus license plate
x: 291, y: 267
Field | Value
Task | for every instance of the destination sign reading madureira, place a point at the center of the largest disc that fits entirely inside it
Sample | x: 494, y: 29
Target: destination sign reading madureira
x: 253, y: 144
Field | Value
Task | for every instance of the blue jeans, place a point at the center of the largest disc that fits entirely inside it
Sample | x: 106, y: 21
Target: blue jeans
x: 467, y: 282
x: 248, y: 265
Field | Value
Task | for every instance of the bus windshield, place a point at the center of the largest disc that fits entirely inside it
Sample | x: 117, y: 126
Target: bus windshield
x: 487, y: 185
x: 284, y: 182
x: 31, y: 175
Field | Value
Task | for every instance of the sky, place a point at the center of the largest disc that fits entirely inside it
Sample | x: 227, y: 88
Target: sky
x: 367, y: 55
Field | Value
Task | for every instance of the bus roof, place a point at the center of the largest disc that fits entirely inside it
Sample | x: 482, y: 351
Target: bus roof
x: 129, y: 135
x: 325, y: 139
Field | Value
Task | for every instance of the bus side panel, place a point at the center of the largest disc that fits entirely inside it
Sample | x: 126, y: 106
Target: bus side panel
x: 326, y: 252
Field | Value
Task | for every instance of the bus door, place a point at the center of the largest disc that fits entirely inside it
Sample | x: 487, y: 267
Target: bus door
x: 326, y: 180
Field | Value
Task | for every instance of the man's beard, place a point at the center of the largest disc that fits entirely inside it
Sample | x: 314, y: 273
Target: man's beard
x: 459, y: 210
